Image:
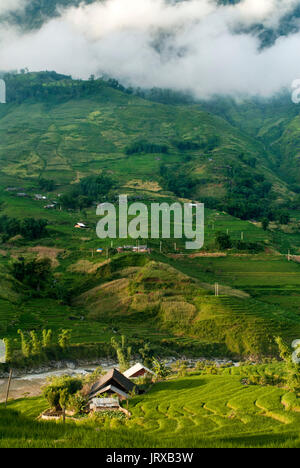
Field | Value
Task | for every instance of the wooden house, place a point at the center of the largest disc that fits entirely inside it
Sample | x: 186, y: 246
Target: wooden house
x: 113, y: 383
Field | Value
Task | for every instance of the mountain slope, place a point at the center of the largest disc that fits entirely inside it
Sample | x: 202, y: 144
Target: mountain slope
x: 62, y: 129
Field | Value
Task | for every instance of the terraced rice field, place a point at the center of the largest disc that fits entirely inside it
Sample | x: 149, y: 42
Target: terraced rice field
x: 193, y: 411
x: 215, y: 409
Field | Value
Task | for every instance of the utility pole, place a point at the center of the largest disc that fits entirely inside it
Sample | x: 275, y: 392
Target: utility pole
x: 8, y: 386
x: 242, y: 236
x: 160, y: 247
x: 289, y: 256
x: 217, y: 289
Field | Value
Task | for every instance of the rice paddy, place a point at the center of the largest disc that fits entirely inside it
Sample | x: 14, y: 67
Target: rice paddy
x: 193, y: 411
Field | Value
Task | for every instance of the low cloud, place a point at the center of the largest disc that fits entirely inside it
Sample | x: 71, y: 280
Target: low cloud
x: 190, y: 45
x: 6, y: 6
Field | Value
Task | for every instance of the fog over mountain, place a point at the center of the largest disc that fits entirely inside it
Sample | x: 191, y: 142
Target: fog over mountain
x: 204, y: 46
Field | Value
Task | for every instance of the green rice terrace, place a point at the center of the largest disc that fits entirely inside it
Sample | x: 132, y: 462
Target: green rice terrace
x: 197, y: 409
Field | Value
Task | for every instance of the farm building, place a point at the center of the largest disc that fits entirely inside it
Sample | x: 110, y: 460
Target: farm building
x: 138, y: 370
x: 104, y: 404
x: 80, y: 226
x: 132, y: 248
x: 113, y: 383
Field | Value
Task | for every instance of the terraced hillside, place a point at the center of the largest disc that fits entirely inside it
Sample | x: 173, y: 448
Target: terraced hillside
x: 191, y: 411
x: 185, y: 306
x: 57, y: 128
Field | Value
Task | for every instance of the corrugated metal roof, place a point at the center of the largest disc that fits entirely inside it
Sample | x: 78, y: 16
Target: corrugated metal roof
x: 109, y: 402
x: 137, y: 368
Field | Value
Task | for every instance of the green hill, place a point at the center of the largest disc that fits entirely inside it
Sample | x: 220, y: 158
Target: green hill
x: 57, y: 128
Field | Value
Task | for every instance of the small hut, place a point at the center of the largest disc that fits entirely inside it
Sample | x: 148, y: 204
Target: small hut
x: 104, y: 404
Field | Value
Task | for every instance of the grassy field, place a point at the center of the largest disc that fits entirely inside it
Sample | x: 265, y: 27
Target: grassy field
x: 192, y: 411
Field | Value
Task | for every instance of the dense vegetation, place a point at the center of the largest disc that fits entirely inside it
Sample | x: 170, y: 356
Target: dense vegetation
x: 30, y: 228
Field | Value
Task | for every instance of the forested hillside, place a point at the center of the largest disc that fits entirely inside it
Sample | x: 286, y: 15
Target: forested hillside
x: 65, y: 130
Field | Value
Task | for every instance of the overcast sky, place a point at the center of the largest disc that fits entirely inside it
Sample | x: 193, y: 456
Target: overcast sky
x: 190, y: 45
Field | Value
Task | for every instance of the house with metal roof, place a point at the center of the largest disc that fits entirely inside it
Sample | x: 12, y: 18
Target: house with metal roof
x: 138, y: 370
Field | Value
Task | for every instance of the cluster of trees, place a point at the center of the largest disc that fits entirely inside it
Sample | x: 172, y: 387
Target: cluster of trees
x: 70, y: 392
x: 49, y: 86
x: 146, y: 147
x: 87, y: 191
x: 207, y: 145
x: 177, y: 182
x: 224, y: 242
x: 46, y: 184
x: 60, y: 391
x: 29, y: 228
x: 250, y: 197
x: 35, y: 273
x: 186, y: 145
x: 33, y: 345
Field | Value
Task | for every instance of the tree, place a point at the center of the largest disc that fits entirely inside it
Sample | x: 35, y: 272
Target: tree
x: 64, y: 338
x: 36, y: 345
x: 284, y: 218
x: 8, y: 349
x: 47, y: 338
x: 123, y: 353
x: 265, y: 224
x: 147, y: 355
x: 63, y: 401
x: 25, y: 344
x: 160, y: 369
x: 46, y: 184
x: 59, y: 389
x: 223, y: 241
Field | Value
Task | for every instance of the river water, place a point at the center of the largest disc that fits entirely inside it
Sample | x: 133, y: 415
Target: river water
x: 30, y: 385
